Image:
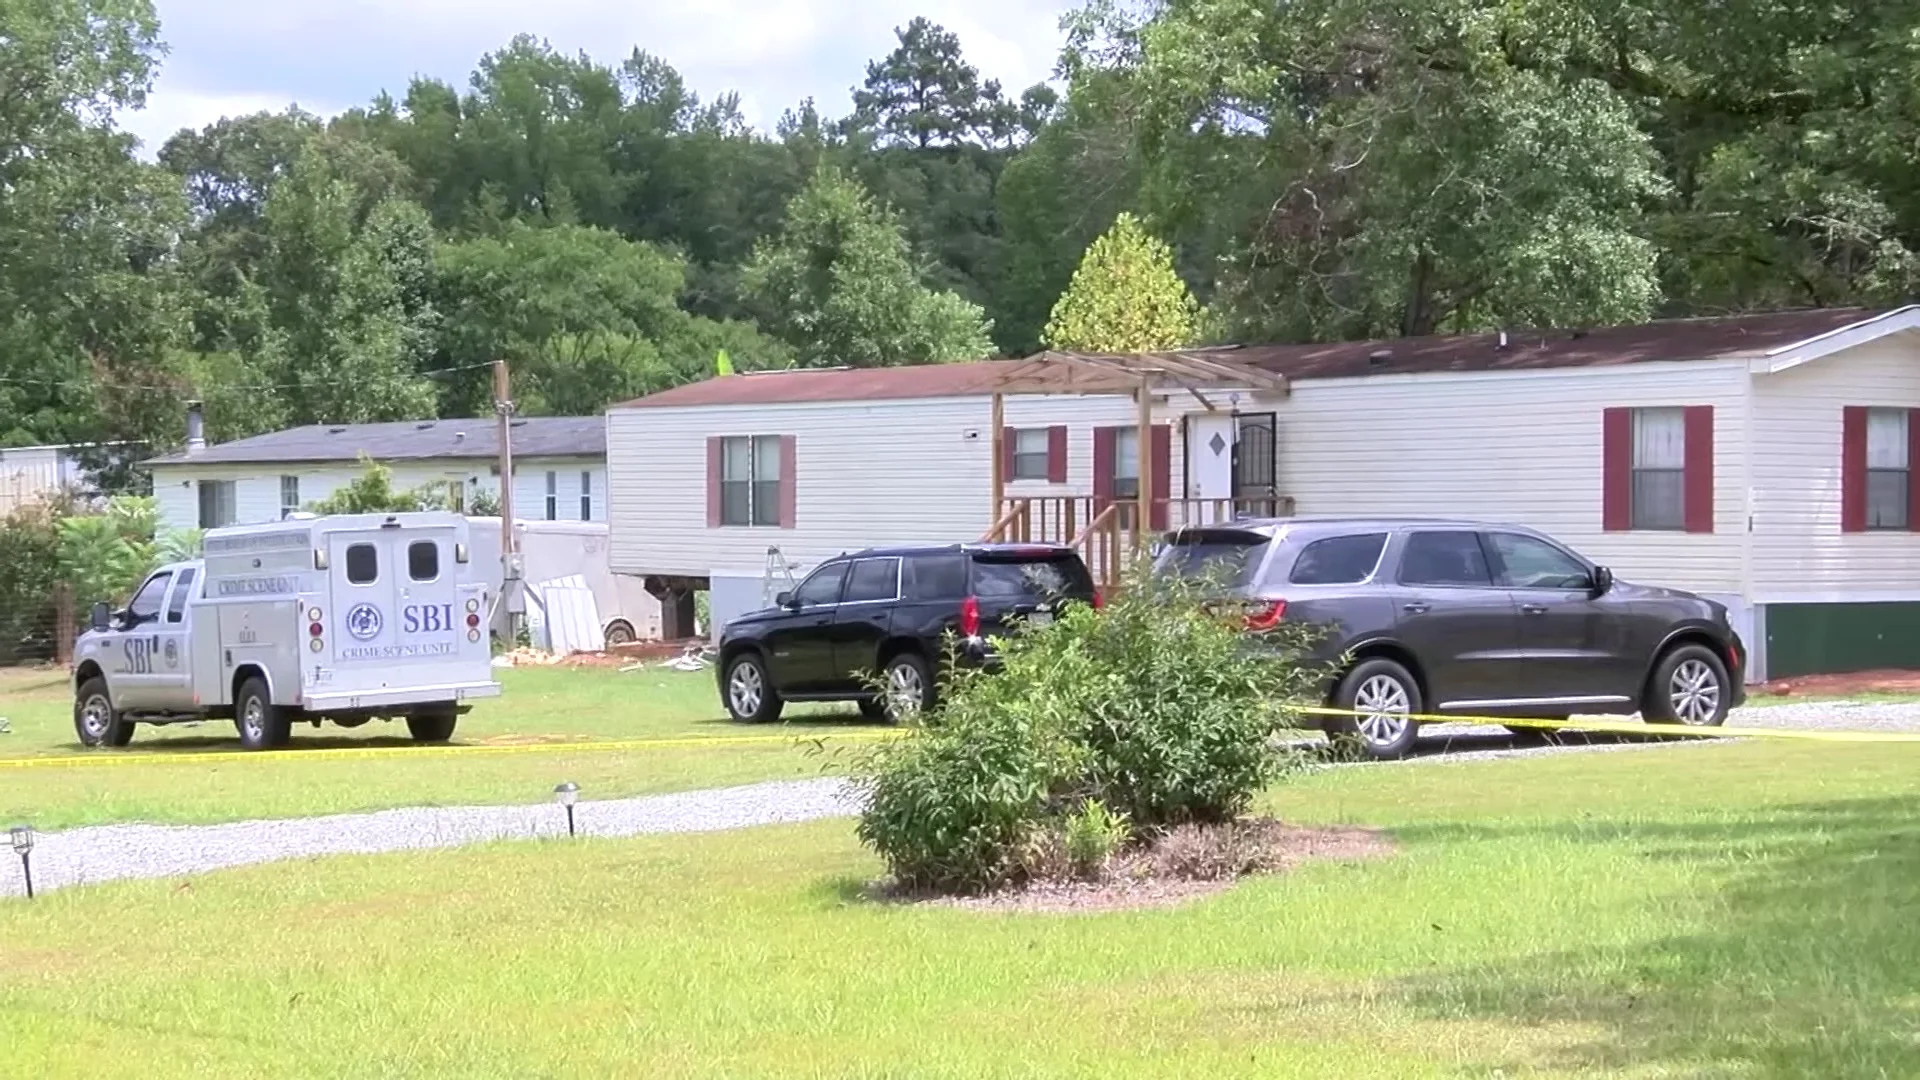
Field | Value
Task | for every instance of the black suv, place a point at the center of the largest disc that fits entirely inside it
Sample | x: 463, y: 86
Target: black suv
x: 1471, y: 618
x: 889, y: 612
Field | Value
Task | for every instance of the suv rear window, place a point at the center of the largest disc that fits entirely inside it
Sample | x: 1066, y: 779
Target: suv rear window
x: 1338, y: 560
x: 1015, y: 577
x: 1224, y: 557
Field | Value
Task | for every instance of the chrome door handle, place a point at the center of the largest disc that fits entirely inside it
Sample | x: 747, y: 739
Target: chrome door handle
x: 1416, y: 609
x: 1534, y: 609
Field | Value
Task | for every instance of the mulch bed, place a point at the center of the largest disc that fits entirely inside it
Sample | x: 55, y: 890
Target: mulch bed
x: 1185, y: 865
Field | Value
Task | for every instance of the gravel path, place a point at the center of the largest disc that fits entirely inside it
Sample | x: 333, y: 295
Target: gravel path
x: 109, y: 852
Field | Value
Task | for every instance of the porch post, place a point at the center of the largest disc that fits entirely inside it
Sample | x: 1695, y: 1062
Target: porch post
x: 998, y: 454
x: 1143, y: 443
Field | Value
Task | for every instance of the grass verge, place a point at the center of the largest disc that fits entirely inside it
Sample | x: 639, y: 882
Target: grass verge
x: 1733, y: 910
x: 550, y: 708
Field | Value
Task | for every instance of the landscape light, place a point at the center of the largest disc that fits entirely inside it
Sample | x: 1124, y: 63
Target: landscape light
x: 568, y: 793
x: 22, y: 836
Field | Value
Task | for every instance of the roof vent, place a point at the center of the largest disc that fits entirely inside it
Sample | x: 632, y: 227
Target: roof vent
x: 1503, y: 341
x: 1379, y: 357
x: 458, y: 435
x: 423, y: 425
x: 335, y: 430
x: 196, y: 428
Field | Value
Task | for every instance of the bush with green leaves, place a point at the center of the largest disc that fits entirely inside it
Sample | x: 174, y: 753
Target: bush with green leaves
x: 1160, y: 707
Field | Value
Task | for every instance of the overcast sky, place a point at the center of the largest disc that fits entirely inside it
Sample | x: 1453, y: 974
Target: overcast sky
x: 231, y: 57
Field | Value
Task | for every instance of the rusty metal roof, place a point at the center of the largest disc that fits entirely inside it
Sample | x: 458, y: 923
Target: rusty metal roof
x: 1734, y: 336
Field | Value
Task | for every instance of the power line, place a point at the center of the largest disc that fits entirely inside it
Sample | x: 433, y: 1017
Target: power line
x: 172, y: 387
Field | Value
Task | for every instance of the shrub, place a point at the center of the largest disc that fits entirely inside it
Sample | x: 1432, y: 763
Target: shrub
x: 1092, y: 834
x: 1158, y: 709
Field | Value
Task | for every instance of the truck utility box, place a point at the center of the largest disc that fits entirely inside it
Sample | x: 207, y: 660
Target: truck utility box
x: 346, y: 618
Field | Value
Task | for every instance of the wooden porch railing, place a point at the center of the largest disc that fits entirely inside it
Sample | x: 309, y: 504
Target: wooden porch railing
x: 1106, y: 531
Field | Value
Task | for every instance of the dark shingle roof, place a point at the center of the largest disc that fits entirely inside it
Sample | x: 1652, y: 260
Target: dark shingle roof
x: 1674, y: 339
x: 409, y: 440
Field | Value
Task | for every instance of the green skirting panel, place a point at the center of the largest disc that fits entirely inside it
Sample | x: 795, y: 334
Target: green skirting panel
x: 1818, y: 639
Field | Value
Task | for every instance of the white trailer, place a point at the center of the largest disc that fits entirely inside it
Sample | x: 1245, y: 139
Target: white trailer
x: 341, y: 619
x: 558, y: 549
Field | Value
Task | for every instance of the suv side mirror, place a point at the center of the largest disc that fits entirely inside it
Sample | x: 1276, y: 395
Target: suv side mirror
x: 99, y: 618
x: 784, y: 600
x: 1602, y: 580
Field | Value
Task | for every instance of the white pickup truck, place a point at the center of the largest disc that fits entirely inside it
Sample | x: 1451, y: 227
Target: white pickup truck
x: 345, y: 619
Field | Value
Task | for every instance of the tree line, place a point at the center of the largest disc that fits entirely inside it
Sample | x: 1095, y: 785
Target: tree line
x: 1316, y: 170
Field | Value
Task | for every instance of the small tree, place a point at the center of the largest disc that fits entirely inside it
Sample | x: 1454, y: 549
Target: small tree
x: 1124, y: 298
x: 372, y: 492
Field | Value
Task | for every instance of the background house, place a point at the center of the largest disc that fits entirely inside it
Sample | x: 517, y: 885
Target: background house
x: 559, y: 468
x: 28, y: 474
x: 1762, y: 460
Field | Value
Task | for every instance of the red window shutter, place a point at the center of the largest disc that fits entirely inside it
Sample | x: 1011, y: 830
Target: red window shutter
x: 1009, y: 440
x: 789, y: 472
x: 1160, y: 460
x: 1616, y: 485
x: 1103, y: 454
x: 1056, y: 455
x: 1853, y: 468
x: 1913, y: 470
x: 1699, y: 473
x: 716, y: 452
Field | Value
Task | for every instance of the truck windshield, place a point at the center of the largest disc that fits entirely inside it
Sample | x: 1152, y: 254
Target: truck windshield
x: 1223, y: 557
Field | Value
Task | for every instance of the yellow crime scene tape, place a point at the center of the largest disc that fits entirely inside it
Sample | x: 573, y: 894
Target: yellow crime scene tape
x: 1612, y: 727
x: 361, y: 753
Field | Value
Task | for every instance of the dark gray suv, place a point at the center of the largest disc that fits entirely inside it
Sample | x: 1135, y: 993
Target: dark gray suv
x: 1470, y: 618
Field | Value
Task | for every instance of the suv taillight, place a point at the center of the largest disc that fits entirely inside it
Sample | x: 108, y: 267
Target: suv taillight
x: 1266, y: 614
x: 1098, y: 601
x: 970, y: 617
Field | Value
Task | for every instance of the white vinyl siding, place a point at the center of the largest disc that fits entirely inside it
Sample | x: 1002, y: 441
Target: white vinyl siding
x: 1800, y: 552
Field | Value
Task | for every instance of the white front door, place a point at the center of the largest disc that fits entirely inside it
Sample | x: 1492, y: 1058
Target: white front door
x: 1210, y: 466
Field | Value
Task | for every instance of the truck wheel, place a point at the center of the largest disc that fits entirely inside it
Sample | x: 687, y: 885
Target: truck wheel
x: 749, y: 693
x: 262, y: 724
x: 95, y: 719
x: 620, y: 632
x: 432, y: 726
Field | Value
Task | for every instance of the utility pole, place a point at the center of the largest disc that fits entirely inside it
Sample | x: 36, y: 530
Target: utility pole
x: 511, y: 602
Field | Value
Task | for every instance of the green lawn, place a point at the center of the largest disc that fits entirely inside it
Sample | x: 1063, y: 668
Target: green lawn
x: 1735, y: 910
x: 543, y: 707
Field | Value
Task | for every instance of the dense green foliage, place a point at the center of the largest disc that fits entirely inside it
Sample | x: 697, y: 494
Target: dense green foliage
x: 1320, y: 170
x: 1147, y: 714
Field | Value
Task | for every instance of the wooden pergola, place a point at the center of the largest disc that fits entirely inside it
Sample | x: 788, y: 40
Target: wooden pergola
x: 1141, y: 375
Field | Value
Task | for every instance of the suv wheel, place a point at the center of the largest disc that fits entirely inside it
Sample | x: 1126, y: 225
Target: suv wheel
x: 910, y: 687
x: 1386, y: 696
x: 749, y: 692
x: 262, y: 724
x: 95, y: 719
x: 1689, y: 686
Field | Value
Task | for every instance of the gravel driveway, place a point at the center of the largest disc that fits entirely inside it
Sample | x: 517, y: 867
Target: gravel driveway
x: 109, y: 852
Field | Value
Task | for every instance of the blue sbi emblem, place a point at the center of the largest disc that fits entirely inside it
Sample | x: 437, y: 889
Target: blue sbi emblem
x: 363, y: 622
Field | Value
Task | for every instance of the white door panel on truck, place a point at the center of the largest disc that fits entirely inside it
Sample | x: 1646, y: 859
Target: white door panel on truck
x: 172, y: 681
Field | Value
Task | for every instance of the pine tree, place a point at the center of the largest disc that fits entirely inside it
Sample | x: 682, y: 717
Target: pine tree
x: 1124, y: 298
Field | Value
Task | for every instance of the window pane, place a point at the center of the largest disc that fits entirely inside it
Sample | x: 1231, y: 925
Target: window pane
x: 735, y: 496
x: 1887, y: 499
x: 1659, y: 438
x: 289, y: 495
x: 1659, y: 499
x: 936, y: 577
x: 1886, y: 438
x: 1126, y: 454
x: 1531, y: 563
x: 423, y: 560
x: 145, y: 604
x: 1339, y: 560
x: 363, y: 564
x: 766, y: 502
x: 766, y: 458
x: 182, y: 589
x: 736, y: 458
x: 1220, y: 557
x: 873, y: 579
x: 824, y: 586
x: 1444, y: 558
x: 1045, y: 578
x: 1030, y: 466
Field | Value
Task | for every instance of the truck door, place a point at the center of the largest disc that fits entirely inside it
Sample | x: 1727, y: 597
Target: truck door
x: 365, y: 607
x: 132, y: 648
x: 432, y: 625
x: 172, y: 682
x: 395, y: 607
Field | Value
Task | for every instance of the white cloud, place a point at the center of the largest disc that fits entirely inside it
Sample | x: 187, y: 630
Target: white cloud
x: 232, y: 57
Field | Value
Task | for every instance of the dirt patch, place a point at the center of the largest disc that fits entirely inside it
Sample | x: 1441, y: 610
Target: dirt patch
x: 1849, y: 684
x: 616, y: 656
x: 1184, y: 865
